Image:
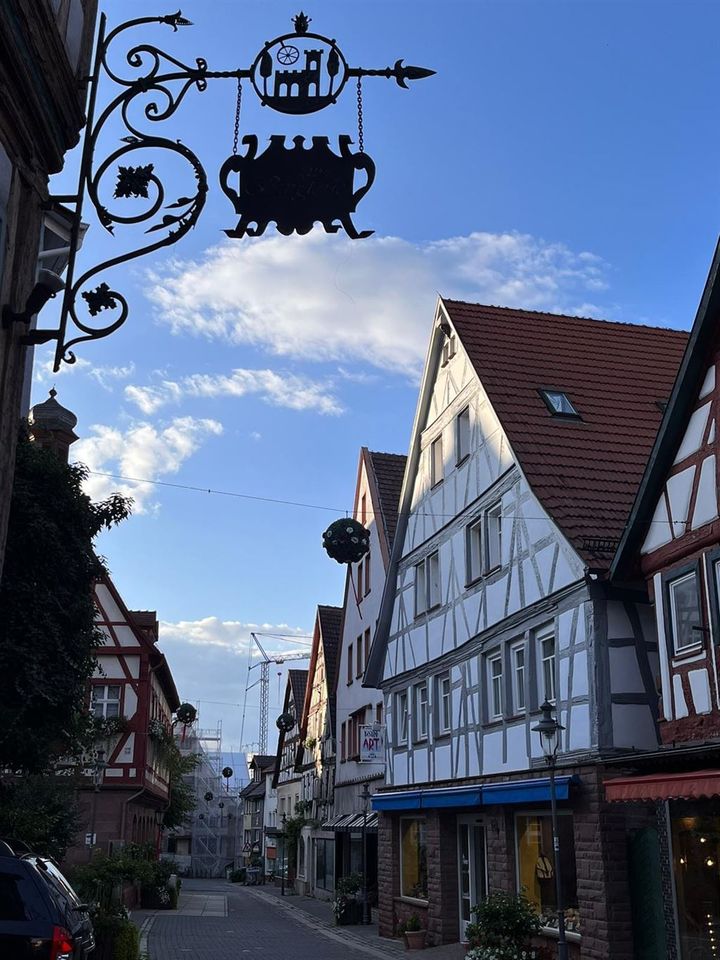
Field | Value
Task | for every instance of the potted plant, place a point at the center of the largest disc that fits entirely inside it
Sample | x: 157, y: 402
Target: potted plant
x: 414, y: 933
x: 346, y: 906
x: 502, y: 927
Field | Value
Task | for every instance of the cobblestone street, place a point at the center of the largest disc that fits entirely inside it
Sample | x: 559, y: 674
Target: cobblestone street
x: 220, y: 921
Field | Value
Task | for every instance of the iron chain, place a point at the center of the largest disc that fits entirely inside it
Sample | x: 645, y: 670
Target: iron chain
x: 236, y: 134
x: 361, y: 139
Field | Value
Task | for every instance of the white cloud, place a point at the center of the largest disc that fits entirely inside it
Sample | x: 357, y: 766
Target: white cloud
x: 43, y: 370
x: 144, y: 450
x: 278, y: 390
x: 331, y: 298
x: 106, y: 375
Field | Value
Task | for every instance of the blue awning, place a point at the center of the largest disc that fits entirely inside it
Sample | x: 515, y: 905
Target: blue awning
x: 475, y: 795
x: 527, y: 791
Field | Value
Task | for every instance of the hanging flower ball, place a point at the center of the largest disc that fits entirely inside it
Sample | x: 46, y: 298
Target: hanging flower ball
x: 227, y: 772
x: 285, y: 722
x: 186, y: 713
x: 346, y: 541
x: 208, y: 796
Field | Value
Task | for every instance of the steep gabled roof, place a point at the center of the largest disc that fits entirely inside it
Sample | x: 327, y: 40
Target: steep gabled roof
x: 389, y: 470
x: 262, y: 761
x: 585, y: 471
x: 295, y: 687
x: 298, y: 682
x: 703, y: 338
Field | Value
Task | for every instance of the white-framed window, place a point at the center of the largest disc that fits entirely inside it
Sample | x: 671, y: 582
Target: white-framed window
x: 493, y: 537
x: 495, y: 686
x: 449, y: 348
x: 420, y: 710
x: 684, y: 598
x: 546, y: 645
x: 517, y: 660
x: 443, y: 700
x: 436, y: 461
x: 401, y: 716
x: 462, y: 435
x: 106, y: 700
x: 427, y: 583
x: 474, y: 550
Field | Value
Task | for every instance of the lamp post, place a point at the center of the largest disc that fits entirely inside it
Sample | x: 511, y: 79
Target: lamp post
x: 365, y: 797
x: 97, y: 775
x: 282, y: 856
x: 549, y: 730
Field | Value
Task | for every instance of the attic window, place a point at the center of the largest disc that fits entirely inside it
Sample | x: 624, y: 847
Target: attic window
x: 449, y: 346
x: 558, y: 403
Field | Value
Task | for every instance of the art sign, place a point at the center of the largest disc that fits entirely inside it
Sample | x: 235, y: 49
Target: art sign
x: 372, y: 743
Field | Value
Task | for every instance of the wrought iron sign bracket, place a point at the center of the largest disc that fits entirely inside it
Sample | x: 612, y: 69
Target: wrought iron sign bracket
x: 293, y: 187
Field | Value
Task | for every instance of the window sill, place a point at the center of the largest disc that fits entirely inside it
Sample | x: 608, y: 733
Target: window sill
x: 462, y: 460
x: 414, y: 900
x: 689, y: 651
x: 438, y: 483
x: 419, y: 740
x: 570, y: 935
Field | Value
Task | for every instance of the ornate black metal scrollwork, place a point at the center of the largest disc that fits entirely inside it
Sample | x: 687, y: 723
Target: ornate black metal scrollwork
x: 153, y: 93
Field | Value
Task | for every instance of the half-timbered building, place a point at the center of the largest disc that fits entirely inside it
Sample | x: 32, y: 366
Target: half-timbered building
x: 286, y: 780
x: 315, y: 758
x: 673, y: 543
x: 530, y: 439
x: 377, y: 494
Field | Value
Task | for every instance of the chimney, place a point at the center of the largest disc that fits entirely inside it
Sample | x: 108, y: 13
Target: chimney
x: 52, y: 426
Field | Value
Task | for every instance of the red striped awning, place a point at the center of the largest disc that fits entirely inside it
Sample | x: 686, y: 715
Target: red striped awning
x: 664, y: 786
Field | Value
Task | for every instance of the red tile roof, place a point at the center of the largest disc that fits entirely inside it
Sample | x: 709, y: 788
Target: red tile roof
x: 389, y: 469
x: 584, y: 472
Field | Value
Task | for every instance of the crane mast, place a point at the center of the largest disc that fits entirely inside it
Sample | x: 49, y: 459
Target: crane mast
x: 264, y: 683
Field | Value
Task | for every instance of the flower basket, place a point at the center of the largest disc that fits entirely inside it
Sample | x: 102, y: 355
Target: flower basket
x: 350, y: 913
x: 415, y: 939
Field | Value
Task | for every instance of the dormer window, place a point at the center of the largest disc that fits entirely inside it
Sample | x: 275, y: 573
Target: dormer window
x: 449, y: 346
x: 559, y: 404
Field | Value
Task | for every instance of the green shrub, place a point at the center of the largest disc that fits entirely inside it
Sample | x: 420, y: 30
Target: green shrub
x: 412, y: 924
x: 116, y: 937
x: 238, y: 876
x: 505, y: 922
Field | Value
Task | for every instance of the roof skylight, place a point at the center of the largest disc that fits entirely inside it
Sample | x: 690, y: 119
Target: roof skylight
x: 559, y: 404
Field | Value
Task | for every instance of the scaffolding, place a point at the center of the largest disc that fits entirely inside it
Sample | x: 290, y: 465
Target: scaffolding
x: 209, y: 839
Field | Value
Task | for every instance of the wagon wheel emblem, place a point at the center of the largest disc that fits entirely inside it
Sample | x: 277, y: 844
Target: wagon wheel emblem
x: 287, y: 54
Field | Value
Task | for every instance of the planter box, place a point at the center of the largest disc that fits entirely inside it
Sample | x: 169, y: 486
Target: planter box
x: 415, y: 939
x: 352, y: 914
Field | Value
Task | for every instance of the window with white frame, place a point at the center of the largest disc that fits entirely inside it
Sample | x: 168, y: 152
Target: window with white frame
x: 546, y: 645
x: 443, y: 700
x: 401, y: 716
x: 493, y: 537
x: 106, y: 700
x: 684, y: 600
x: 433, y: 580
x: 517, y: 660
x: 473, y: 550
x: 495, y: 686
x: 436, y: 461
x: 420, y: 710
x: 427, y: 584
x: 462, y: 435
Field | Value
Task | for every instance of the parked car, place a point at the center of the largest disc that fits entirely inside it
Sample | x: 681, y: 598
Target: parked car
x: 41, y: 916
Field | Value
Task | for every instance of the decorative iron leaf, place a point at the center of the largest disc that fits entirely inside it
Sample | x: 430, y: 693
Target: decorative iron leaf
x: 105, y: 219
x: 302, y: 22
x: 176, y: 20
x: 180, y: 202
x: 130, y: 139
x: 101, y: 298
x: 166, y: 221
x: 133, y: 181
x: 266, y: 65
x: 333, y: 63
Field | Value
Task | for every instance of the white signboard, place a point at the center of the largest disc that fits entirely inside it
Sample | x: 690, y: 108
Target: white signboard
x: 372, y: 743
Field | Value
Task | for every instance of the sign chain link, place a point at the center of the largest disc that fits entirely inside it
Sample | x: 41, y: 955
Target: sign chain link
x: 236, y: 132
x: 361, y: 139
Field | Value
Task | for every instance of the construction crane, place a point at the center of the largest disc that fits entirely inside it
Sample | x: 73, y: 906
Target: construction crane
x: 264, y: 683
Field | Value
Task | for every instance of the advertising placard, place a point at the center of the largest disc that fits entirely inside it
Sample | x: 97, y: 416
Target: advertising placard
x: 372, y: 743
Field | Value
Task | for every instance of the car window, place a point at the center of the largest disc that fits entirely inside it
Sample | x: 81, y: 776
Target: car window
x: 11, y: 902
x: 62, y: 883
x: 60, y: 891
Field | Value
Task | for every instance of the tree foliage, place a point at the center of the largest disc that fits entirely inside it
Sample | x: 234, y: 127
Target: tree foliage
x: 42, y: 811
x: 47, y: 616
x: 182, y: 796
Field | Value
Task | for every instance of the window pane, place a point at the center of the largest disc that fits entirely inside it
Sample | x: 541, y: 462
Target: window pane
x: 436, y: 461
x: 536, y: 867
x: 462, y: 434
x: 496, y: 708
x: 113, y: 693
x: 494, y: 537
x: 112, y: 710
x: 474, y: 551
x: 547, y: 649
x: 519, y: 666
x: 420, y: 588
x: 413, y: 859
x: 402, y: 717
x: 445, y: 708
x: 433, y: 576
x: 685, y: 611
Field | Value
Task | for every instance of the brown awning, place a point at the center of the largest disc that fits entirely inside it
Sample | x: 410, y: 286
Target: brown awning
x: 664, y: 786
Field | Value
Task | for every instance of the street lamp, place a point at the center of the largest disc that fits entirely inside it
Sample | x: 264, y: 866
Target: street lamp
x: 282, y: 856
x: 365, y: 797
x: 549, y: 730
x: 97, y: 775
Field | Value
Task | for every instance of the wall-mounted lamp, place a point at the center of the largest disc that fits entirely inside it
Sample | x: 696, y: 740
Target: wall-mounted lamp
x: 48, y: 285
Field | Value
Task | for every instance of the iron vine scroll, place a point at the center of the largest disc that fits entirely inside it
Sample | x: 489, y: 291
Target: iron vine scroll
x: 297, y: 73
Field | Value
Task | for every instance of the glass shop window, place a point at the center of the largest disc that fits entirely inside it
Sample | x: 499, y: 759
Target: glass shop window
x: 685, y: 611
x: 536, y: 867
x: 696, y: 869
x: 413, y: 859
x: 325, y: 864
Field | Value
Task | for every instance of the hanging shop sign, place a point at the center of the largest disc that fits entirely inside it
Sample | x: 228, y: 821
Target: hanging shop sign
x: 291, y: 183
x: 372, y: 743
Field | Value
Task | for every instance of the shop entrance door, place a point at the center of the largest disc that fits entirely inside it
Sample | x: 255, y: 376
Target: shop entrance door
x: 472, y: 866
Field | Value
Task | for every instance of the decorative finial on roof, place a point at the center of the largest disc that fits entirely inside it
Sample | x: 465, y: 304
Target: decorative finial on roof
x: 53, y: 392
x: 302, y: 22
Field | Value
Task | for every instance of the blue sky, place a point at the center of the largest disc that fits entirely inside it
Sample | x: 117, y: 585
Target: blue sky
x: 565, y: 157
